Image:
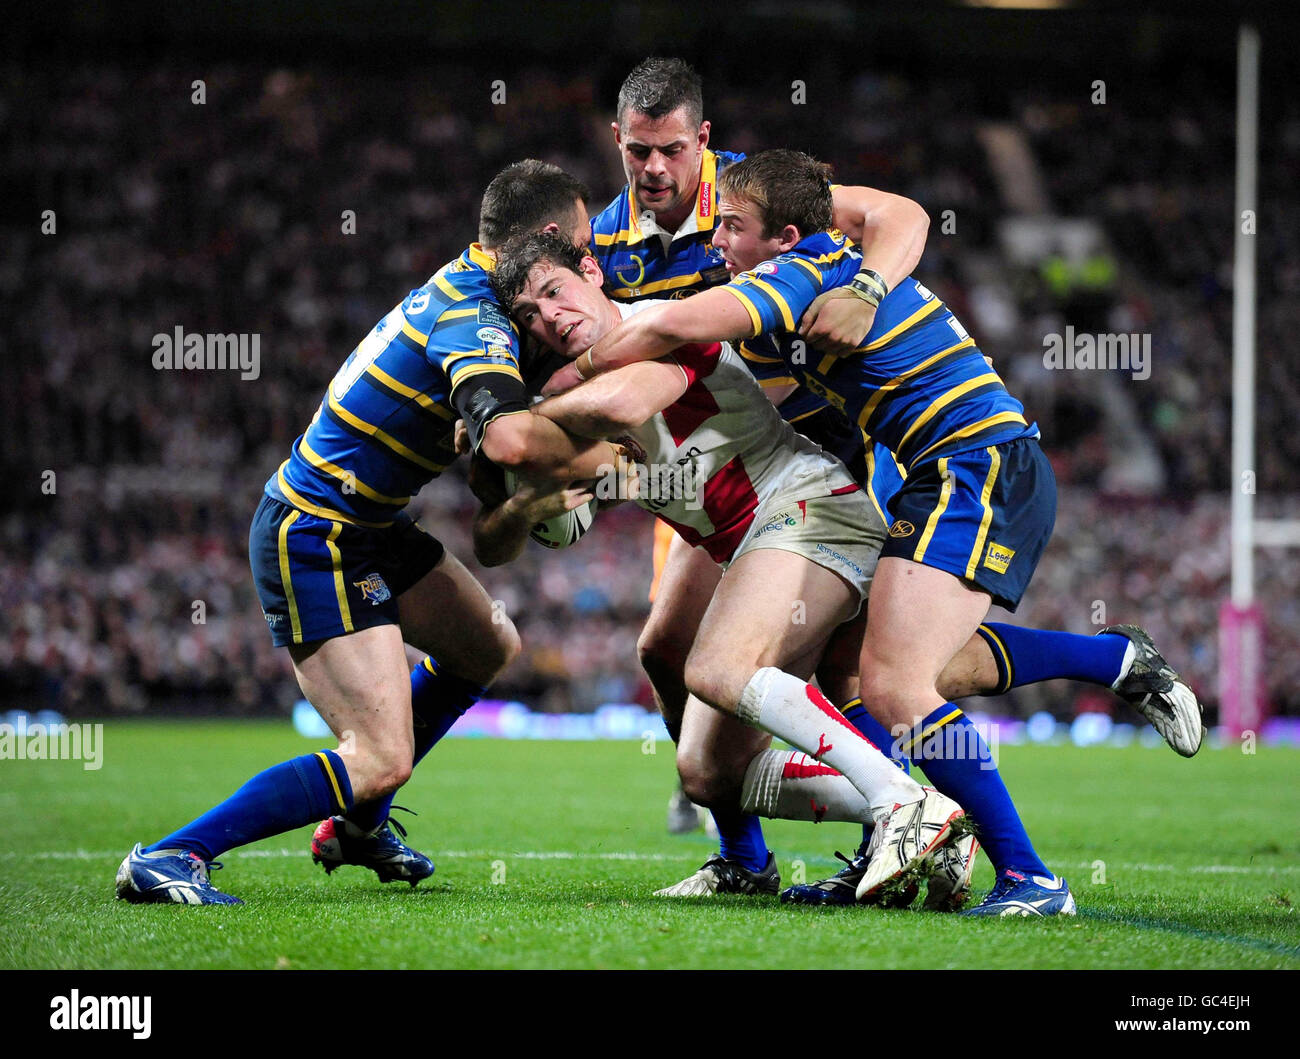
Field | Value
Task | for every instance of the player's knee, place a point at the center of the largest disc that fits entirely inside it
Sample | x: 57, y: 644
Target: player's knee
x: 702, y: 780
x: 662, y: 653
x: 880, y: 686
x: 508, y: 646
x: 708, y: 680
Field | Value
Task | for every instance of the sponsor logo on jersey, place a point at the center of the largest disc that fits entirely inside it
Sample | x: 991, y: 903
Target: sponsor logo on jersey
x: 901, y: 528
x: 767, y: 268
x: 777, y: 522
x: 490, y: 315
x: 706, y: 198
x: 492, y: 336
x: 419, y: 303
x: 998, y: 558
x: 840, y: 558
x: 273, y: 619
x: 373, y: 589
x: 634, y: 281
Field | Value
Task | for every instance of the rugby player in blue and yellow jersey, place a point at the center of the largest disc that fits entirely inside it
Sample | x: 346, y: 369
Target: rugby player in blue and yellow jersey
x: 655, y: 241
x: 969, y: 523
x: 346, y: 578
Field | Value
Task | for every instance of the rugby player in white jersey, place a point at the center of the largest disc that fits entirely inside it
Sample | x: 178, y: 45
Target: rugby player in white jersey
x: 795, y: 533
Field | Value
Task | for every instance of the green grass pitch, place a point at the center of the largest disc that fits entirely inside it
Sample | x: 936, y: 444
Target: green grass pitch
x: 547, y: 855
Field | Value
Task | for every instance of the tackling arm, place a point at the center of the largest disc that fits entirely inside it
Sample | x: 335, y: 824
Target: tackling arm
x: 710, y: 316
x: 500, y: 531
x: 890, y: 231
x: 617, y: 401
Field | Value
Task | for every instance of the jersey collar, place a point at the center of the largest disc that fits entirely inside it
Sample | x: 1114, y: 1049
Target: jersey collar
x: 480, y: 257
x: 701, y: 219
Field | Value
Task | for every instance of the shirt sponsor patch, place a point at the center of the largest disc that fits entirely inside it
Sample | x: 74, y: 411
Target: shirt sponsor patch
x: 998, y: 558
x: 490, y: 315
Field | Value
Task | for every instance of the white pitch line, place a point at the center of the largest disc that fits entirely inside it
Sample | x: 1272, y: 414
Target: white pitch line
x: 473, y: 854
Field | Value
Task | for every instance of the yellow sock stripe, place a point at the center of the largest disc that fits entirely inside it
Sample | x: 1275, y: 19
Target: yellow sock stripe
x: 850, y: 705
x: 428, y: 664
x: 334, y: 782
x: 294, y: 624
x: 933, y: 521
x: 340, y: 590
x: 1001, y: 649
x: 985, y: 494
x: 930, y: 730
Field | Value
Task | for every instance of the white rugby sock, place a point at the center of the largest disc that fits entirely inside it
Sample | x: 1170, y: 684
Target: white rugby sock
x: 797, y: 712
x: 789, y: 785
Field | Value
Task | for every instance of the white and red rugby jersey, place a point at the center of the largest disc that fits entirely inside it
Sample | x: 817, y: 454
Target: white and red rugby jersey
x: 721, y: 452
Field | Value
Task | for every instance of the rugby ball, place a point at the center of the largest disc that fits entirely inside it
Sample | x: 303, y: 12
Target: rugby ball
x: 564, y: 529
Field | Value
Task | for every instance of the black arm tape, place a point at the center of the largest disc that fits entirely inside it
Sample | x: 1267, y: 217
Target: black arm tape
x: 484, y: 397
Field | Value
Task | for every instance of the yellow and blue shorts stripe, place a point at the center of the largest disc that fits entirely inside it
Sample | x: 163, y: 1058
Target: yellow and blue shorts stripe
x: 318, y: 578
x: 984, y: 515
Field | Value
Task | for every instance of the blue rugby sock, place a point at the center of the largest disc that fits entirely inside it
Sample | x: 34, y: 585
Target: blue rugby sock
x: 959, y: 764
x: 740, y: 836
x: 300, y: 791
x: 1026, y: 656
x: 438, y: 700
x: 858, y: 716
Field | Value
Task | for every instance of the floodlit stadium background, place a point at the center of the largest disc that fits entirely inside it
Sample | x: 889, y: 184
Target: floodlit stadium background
x: 1048, y: 208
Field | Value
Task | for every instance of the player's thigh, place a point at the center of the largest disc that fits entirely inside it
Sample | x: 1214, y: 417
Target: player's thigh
x: 918, y: 618
x: 837, y: 669
x: 714, y: 751
x: 772, y: 608
x: 360, y: 685
x: 449, y: 615
x: 686, y: 586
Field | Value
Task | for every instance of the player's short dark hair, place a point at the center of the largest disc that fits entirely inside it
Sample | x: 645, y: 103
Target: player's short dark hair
x: 526, y: 196
x: 521, y: 254
x: 656, y: 87
x: 786, y: 187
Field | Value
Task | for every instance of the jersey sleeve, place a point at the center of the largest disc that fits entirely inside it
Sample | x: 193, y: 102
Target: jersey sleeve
x: 474, y: 338
x: 776, y: 293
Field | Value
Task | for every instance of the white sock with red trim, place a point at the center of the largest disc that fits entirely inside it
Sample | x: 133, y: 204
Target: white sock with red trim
x: 797, y: 712
x: 789, y: 785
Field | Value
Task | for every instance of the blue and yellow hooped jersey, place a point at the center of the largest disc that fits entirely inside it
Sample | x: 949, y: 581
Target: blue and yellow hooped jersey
x: 636, y: 265
x: 385, y: 426
x: 919, y: 385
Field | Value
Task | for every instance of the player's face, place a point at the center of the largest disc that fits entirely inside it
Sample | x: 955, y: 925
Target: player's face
x: 661, y: 157
x: 564, y: 310
x: 739, y: 235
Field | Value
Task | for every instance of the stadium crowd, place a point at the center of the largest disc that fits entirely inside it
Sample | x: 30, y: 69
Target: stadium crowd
x: 300, y: 205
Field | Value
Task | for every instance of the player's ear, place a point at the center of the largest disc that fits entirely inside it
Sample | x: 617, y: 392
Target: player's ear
x: 617, y: 138
x: 704, y: 134
x: 591, y: 271
x: 789, y: 236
